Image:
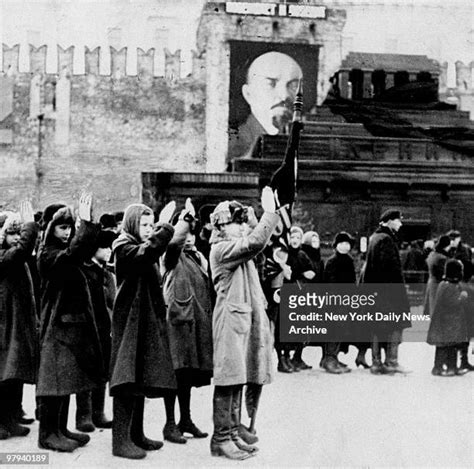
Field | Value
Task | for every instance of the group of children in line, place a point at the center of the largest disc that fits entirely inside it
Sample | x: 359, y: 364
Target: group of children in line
x: 130, y: 302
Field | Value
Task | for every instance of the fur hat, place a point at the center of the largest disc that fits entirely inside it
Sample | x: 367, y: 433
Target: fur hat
x: 228, y: 212
x: 390, y: 214
x: 343, y: 237
x: 453, y: 270
x: 48, y: 214
x: 14, y: 227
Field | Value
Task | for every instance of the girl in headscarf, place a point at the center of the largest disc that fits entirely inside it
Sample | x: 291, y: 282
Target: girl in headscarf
x: 141, y: 363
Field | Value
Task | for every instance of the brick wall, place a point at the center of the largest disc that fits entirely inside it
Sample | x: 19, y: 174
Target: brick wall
x: 100, y: 132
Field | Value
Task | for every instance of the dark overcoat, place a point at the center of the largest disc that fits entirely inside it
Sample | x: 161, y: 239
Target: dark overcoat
x: 339, y: 268
x: 19, y: 345
x: 436, y: 261
x: 99, y: 282
x: 186, y: 291
x: 448, y: 322
x: 71, y: 357
x: 140, y: 359
x: 384, y: 266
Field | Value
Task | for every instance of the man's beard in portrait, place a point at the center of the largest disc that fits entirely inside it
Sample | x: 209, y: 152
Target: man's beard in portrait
x: 282, y: 117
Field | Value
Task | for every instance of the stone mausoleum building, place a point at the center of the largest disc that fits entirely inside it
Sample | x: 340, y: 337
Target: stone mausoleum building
x: 134, y: 100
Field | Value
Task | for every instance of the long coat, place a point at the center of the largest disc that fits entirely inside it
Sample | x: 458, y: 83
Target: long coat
x: 99, y: 281
x: 383, y: 265
x: 436, y: 261
x: 448, y: 323
x: 186, y: 291
x: 140, y: 359
x: 339, y: 268
x: 243, y: 341
x: 19, y: 345
x: 71, y: 357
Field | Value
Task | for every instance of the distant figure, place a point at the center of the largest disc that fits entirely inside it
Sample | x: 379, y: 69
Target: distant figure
x: 270, y: 89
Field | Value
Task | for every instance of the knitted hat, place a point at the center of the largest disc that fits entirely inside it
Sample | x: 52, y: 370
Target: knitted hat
x: 308, y: 237
x: 343, y: 237
x: 14, y: 227
x: 453, y: 270
x: 390, y: 214
x: 228, y: 212
x: 296, y: 229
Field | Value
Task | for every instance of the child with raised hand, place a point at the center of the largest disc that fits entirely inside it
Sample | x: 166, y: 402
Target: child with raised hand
x: 141, y: 362
x: 70, y: 356
x: 18, y: 320
x: 242, y: 336
x: 189, y: 318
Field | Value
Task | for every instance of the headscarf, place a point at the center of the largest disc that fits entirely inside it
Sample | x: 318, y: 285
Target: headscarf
x: 63, y: 216
x: 131, y: 224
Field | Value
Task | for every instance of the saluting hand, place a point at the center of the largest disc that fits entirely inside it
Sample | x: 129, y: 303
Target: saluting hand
x: 167, y: 213
x: 26, y: 211
x: 85, y: 206
x: 268, y: 200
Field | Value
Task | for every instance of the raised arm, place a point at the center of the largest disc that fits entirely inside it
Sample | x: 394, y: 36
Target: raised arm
x: 23, y: 250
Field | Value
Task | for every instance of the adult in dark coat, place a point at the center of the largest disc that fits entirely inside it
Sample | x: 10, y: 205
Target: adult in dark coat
x: 383, y: 266
x: 189, y: 318
x: 18, y: 320
x: 90, y: 404
x: 436, y: 261
x: 339, y: 268
x: 448, y: 328
x: 70, y: 356
x: 141, y: 363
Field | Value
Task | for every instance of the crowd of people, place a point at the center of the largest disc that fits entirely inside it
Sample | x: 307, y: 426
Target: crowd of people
x: 155, y: 308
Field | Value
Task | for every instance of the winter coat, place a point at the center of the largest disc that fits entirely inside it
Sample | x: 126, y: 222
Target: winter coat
x: 448, y: 322
x: 140, y: 358
x: 300, y: 262
x: 242, y: 337
x: 99, y: 279
x: 71, y: 356
x: 19, y: 347
x: 186, y: 289
x: 383, y: 266
x: 317, y: 265
x: 436, y: 261
x: 339, y: 268
x: 469, y: 307
x: 463, y: 253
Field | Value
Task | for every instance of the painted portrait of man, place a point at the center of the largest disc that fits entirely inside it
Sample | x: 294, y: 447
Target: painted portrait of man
x: 267, y: 91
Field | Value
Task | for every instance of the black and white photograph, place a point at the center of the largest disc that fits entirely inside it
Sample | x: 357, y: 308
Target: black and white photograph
x: 237, y: 233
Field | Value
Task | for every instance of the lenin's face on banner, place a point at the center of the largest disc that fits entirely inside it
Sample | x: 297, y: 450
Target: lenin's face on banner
x: 272, y: 82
